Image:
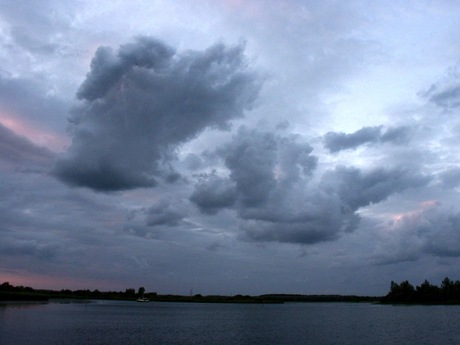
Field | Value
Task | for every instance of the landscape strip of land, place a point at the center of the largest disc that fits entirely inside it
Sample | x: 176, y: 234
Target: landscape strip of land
x: 403, y: 293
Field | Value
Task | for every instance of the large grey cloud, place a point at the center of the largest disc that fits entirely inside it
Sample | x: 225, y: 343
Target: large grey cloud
x: 358, y: 189
x: 433, y: 229
x: 164, y: 213
x: 213, y: 193
x: 337, y: 141
x: 272, y: 187
x: 140, y: 103
x: 257, y: 163
x: 443, y: 237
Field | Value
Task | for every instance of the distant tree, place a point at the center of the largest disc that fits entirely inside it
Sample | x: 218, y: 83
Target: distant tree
x: 449, y: 293
x: 394, y: 288
x: 66, y: 292
x: 447, y: 289
x: 406, y: 287
x: 141, y: 291
x: 400, y: 292
x: 130, y: 292
x: 6, y: 286
x: 446, y: 284
x: 96, y: 293
x: 427, y: 292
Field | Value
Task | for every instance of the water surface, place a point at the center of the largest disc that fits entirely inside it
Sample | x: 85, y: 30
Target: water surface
x: 121, y: 322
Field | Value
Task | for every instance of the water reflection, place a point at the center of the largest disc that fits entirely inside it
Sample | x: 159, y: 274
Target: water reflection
x: 21, y: 304
x: 119, y: 322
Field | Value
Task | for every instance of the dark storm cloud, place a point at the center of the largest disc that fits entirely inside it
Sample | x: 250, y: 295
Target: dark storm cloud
x: 213, y: 193
x: 341, y: 141
x: 21, y: 153
x: 307, y: 232
x: 267, y: 186
x: 357, y: 189
x: 140, y: 103
x: 270, y: 185
x: 261, y: 162
x: 164, y: 213
x: 337, y: 141
x: 251, y: 160
x: 299, y: 218
x: 328, y: 210
x: 433, y: 230
x: 443, y: 235
x: 295, y: 159
x: 107, y: 68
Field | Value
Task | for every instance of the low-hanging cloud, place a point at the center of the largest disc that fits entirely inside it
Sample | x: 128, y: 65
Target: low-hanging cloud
x: 433, y: 229
x: 359, y: 189
x: 213, y: 193
x: 140, y: 103
x: 271, y: 186
x: 308, y: 213
x: 164, y: 213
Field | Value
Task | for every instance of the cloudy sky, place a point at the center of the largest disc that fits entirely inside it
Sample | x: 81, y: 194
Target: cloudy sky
x: 229, y: 146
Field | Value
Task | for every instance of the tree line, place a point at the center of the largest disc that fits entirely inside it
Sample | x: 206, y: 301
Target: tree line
x: 425, y: 293
x: 10, y: 292
x: 405, y: 293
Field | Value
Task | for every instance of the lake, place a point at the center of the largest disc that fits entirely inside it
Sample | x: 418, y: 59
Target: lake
x: 122, y: 322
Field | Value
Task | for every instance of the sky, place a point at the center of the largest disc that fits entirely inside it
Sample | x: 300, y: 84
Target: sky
x: 229, y: 146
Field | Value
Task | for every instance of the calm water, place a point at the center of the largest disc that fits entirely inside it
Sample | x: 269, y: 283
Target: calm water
x: 106, y: 322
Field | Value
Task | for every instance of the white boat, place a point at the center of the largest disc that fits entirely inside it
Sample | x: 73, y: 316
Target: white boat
x: 142, y: 299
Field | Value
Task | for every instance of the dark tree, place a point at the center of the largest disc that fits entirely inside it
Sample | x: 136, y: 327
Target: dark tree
x: 400, y: 292
x: 141, y: 291
x: 130, y: 292
x: 425, y: 293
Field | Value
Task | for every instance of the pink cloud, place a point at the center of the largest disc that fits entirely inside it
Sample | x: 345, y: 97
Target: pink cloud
x: 41, y: 137
x: 415, y: 216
